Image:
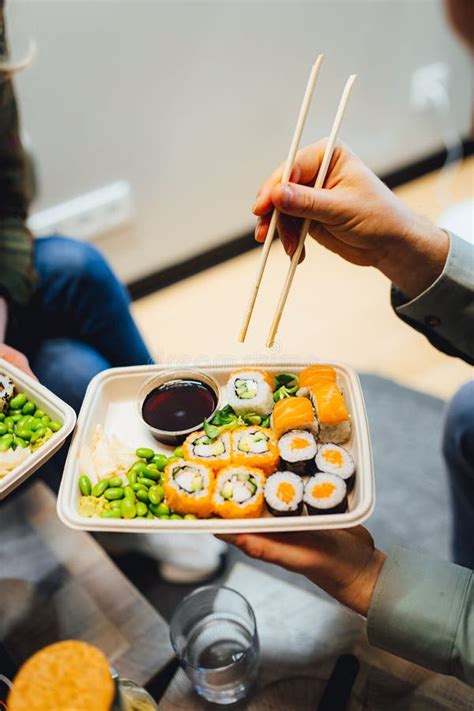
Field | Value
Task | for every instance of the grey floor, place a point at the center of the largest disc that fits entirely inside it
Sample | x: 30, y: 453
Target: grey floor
x: 412, y: 506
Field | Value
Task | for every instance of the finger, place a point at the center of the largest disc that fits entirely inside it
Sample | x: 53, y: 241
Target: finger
x: 261, y: 228
x: 263, y: 203
x: 288, y: 231
x: 294, y: 553
x: 355, y: 255
x: 326, y: 206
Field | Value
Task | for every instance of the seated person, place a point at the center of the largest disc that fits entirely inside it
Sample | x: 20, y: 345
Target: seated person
x: 417, y: 608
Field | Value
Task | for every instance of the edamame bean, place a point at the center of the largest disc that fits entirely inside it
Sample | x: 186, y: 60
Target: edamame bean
x: 99, y: 488
x: 2, y: 416
x: 17, y: 402
x: 113, y: 493
x: 25, y: 421
x: 111, y: 513
x: 38, y: 435
x: 55, y: 425
x: 142, y: 494
x: 16, y: 417
x: 144, y: 453
x: 190, y: 517
x: 144, y: 481
x: 162, y: 509
x: 141, y: 508
x: 176, y: 517
x: 138, y: 467
x: 45, y: 420
x: 85, y: 486
x: 19, y: 442
x: 36, y: 424
x: 129, y: 493
x: 29, y: 408
x: 3, y: 429
x: 5, y: 442
x: 9, y: 424
x: 24, y: 433
x: 128, y: 508
x: 164, y: 516
x: 161, y: 460
x: 150, y: 473
x: 136, y: 487
x: 39, y: 413
x: 116, y: 505
x: 156, y: 494
x: 179, y: 452
x: 132, y: 478
x: 115, y: 481
x: 150, y: 515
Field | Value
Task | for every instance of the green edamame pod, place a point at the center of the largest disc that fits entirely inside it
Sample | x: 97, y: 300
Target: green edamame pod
x: 141, y: 508
x: 179, y: 452
x: 156, y: 494
x: 111, y: 513
x: 6, y: 442
x: 3, y: 429
x: 85, y: 486
x: 142, y: 494
x: 129, y: 493
x: 39, y: 413
x: 17, y: 402
x: 160, y: 460
x: 144, y: 453
x: 113, y: 493
x: 144, y: 481
x: 115, y: 481
x: 99, y: 488
x: 128, y: 508
x: 29, y: 408
x: 55, y: 425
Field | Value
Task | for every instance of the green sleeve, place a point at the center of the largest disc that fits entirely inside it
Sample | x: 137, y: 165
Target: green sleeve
x: 17, y: 274
x: 423, y: 610
x: 444, y: 313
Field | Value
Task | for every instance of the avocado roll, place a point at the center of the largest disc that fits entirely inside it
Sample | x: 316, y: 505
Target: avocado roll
x: 239, y: 492
x: 255, y: 447
x: 333, y: 459
x: 325, y: 494
x: 188, y: 488
x: 250, y: 391
x: 200, y: 448
x: 297, y: 451
x: 284, y: 494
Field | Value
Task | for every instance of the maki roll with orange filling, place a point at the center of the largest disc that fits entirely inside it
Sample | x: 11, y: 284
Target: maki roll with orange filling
x: 333, y: 459
x: 297, y: 451
x: 188, y: 488
x: 284, y: 494
x: 200, y: 448
x: 239, y: 492
x: 325, y: 494
x: 255, y: 447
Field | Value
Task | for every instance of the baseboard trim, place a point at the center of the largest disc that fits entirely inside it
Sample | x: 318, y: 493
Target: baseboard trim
x: 162, y: 278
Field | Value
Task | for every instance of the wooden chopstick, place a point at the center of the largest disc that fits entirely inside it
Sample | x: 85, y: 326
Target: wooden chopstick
x: 285, y: 178
x: 320, y: 178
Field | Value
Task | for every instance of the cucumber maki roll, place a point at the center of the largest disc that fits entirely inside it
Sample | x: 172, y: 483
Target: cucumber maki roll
x: 7, y: 389
x: 297, y: 451
x: 333, y: 459
x: 325, y: 494
x: 284, y: 494
x: 255, y: 447
x: 250, y: 391
x: 188, y: 488
x: 200, y: 448
x: 239, y: 492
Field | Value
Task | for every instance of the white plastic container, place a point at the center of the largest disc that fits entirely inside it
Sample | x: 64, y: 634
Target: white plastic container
x: 55, y: 408
x: 110, y: 401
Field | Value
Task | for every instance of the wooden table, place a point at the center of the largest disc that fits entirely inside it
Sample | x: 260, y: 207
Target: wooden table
x: 56, y: 583
x: 301, y: 636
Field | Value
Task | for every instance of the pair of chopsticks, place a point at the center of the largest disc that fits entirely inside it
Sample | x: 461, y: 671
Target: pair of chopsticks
x: 319, y: 182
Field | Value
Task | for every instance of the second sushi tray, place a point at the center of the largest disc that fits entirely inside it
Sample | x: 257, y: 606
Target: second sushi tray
x: 220, y: 447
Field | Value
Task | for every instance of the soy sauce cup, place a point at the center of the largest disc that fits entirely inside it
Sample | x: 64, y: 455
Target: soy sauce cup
x: 174, y: 404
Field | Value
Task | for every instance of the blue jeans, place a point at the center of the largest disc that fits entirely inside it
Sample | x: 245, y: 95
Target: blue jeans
x: 458, y: 451
x: 78, y: 322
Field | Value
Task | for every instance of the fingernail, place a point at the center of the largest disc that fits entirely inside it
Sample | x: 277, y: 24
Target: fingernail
x: 257, y: 201
x: 257, y: 227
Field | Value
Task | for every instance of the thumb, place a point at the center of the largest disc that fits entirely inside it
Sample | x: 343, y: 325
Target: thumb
x: 301, y: 201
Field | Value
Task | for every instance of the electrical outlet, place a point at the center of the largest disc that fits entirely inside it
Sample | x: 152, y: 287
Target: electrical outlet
x: 429, y: 86
x: 87, y: 216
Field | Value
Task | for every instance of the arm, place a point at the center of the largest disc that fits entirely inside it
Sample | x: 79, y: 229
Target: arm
x: 359, y: 218
x: 418, y: 609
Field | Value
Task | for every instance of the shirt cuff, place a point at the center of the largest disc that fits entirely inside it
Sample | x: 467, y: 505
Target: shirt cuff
x: 416, y: 608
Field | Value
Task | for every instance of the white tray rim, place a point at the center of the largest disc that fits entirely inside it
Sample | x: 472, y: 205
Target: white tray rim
x: 69, y: 515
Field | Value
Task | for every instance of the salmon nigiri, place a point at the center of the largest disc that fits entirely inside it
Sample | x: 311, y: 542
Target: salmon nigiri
x: 293, y: 413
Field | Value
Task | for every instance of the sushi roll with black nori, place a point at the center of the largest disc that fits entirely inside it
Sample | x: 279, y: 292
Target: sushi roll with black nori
x: 297, y: 451
x: 333, y: 459
x: 7, y: 389
x: 325, y: 494
x: 284, y: 494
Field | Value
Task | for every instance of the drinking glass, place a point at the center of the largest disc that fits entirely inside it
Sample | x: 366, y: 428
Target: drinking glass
x: 214, y: 635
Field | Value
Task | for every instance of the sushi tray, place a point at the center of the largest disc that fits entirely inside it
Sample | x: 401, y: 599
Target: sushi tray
x: 34, y: 423
x: 220, y: 447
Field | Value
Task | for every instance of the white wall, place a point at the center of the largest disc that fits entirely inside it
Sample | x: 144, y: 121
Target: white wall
x: 194, y: 102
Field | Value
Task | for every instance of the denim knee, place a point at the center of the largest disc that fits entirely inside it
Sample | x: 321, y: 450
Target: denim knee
x: 458, y: 434
x: 72, y: 261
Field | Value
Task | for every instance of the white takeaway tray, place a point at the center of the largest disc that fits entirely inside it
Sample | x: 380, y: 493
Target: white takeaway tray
x: 55, y: 408
x: 110, y: 401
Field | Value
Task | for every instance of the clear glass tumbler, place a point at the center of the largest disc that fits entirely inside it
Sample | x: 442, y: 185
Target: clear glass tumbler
x: 214, y: 635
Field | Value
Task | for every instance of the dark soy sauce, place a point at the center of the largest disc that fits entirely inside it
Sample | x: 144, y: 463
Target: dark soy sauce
x: 179, y: 405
